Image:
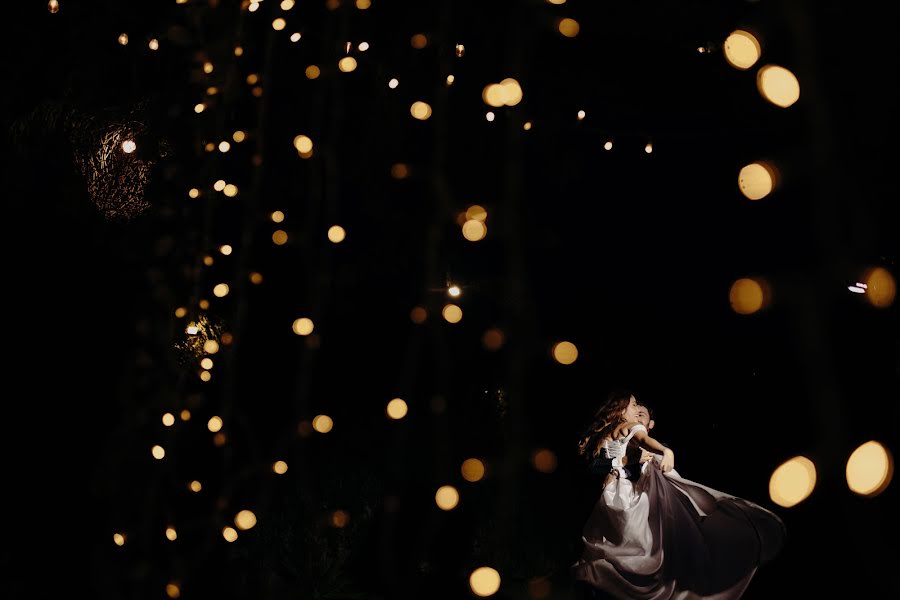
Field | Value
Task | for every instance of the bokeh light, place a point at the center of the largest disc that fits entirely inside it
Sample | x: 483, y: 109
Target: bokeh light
x: 748, y: 295
x: 869, y: 469
x: 396, y: 409
x: 322, y: 423
x: 778, y: 85
x: 792, y: 482
x: 446, y: 497
x: 742, y: 49
x: 881, y: 288
x: 484, y: 581
x: 757, y: 180
x: 472, y: 469
x: 565, y: 353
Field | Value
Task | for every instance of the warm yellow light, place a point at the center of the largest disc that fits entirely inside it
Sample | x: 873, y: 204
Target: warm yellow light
x: 225, y: 249
x: 195, y: 486
x: 204, y: 304
x: 757, y: 180
x: 472, y: 469
x: 581, y: 115
x: 460, y: 50
x: 527, y: 126
x: 452, y: 313
x: 418, y: 315
x: 492, y: 339
x: 303, y: 143
x: 792, y: 482
x: 119, y: 539
x: 323, y: 423
x: 238, y: 51
x: 185, y: 415
x: 208, y: 261
x: 224, y: 146
x: 295, y: 37
x: 168, y: 419
x: 742, y: 49
x: 363, y: 4
x: 278, y: 24
x: 245, y: 520
x: 230, y: 190
x: 123, y: 39
x: 256, y: 278
x: 53, y: 6
x: 206, y: 363
x: 280, y: 467
x: 446, y: 497
x: 450, y: 79
x: 313, y: 72
x: 340, y: 518
x: 205, y: 376
x: 214, y: 424
x: 363, y: 46
x: 230, y: 533
x: 209, y: 147
x: 254, y: 6
x: 347, y: 64
x: 212, y: 90
x: 287, y: 4
x: 778, y: 85
x: 747, y: 296
x: 881, y: 289
x: 396, y: 409
x: 303, y: 326
x: 194, y: 193
x: 171, y: 534
x: 399, y: 171
x: 336, y: 234
x: 128, y: 146
x: 158, y: 452
x: 420, y: 110
x: 565, y: 353
x: 484, y: 581
x: 252, y: 78
x: 474, y: 230
x: 649, y: 148
x: 280, y: 237
x: 199, y: 107
x: 180, y: 312
x: 608, y: 145
x: 210, y: 346
x: 476, y: 212
x: 454, y: 291
x: 870, y: 469
x: 494, y: 95
x: 556, y: 1
x: 544, y: 460
x: 277, y: 216
x: 418, y: 41
x: 173, y: 591
x: 219, y: 439
x: 208, y: 67
x: 221, y: 290
x: 569, y: 27
x: 393, y: 83
x: 238, y: 136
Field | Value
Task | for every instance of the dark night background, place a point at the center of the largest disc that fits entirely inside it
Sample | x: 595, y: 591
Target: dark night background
x: 626, y: 254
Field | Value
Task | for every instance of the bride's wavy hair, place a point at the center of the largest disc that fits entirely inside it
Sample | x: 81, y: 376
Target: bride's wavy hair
x: 604, y: 422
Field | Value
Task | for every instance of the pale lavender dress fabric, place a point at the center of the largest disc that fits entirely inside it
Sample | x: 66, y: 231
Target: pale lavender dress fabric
x: 668, y: 538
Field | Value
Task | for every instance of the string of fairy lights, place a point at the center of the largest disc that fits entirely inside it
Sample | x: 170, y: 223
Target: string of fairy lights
x: 868, y: 468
